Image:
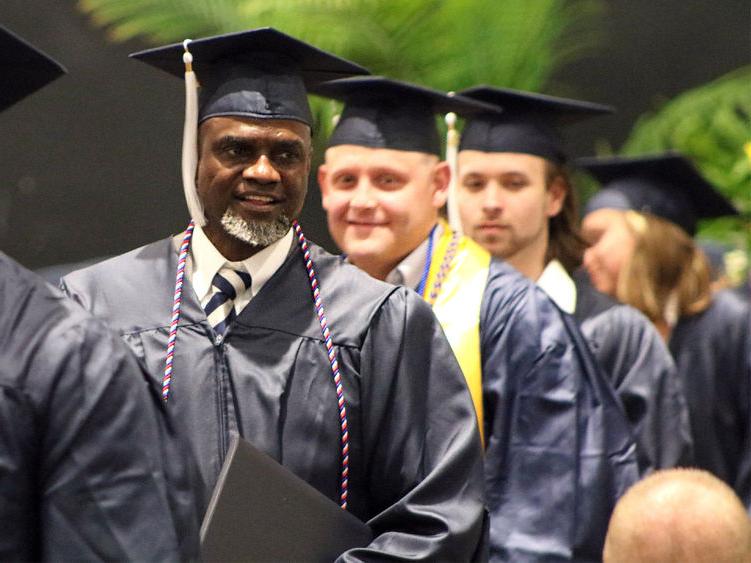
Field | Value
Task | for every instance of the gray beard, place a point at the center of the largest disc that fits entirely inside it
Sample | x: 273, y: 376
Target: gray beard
x: 261, y: 233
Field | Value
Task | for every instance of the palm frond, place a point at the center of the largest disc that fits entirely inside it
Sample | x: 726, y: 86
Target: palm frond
x: 514, y: 43
x: 447, y: 44
x: 159, y: 21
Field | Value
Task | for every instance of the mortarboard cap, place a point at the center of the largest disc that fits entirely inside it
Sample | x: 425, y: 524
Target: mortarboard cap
x: 384, y: 113
x: 261, y: 73
x: 25, y: 69
x: 530, y: 122
x: 665, y: 185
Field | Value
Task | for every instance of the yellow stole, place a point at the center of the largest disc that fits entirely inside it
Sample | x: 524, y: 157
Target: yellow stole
x: 456, y: 297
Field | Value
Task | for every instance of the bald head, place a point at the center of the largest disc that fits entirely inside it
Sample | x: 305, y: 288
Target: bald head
x: 679, y: 515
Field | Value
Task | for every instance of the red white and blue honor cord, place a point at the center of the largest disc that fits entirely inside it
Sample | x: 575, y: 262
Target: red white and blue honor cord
x: 321, y: 313
x: 176, y: 303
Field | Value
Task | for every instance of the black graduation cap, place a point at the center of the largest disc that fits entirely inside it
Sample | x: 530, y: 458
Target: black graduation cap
x: 384, y: 113
x: 261, y: 73
x: 530, y: 122
x: 666, y: 185
x: 25, y: 69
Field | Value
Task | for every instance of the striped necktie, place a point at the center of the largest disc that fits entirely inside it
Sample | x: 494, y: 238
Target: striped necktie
x: 220, y: 303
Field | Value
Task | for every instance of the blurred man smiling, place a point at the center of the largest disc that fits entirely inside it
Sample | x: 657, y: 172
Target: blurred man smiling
x: 380, y: 220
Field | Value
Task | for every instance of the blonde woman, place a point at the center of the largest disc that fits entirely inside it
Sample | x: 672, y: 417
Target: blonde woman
x: 640, y: 228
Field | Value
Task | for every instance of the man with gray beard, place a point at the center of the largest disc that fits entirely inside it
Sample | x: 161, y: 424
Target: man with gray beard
x: 253, y: 233
x: 251, y: 330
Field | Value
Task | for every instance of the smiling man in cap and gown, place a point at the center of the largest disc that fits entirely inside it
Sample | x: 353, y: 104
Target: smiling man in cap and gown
x: 558, y: 448
x: 346, y: 381
x: 89, y: 466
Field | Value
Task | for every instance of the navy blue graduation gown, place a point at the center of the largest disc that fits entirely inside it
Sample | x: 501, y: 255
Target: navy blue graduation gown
x: 415, y: 452
x: 559, y: 447
x: 632, y: 353
x: 713, y: 353
x: 89, y: 469
x: 743, y: 291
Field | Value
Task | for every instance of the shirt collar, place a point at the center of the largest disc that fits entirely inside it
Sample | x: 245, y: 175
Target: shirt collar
x: 559, y: 286
x: 207, y: 261
x: 409, y: 271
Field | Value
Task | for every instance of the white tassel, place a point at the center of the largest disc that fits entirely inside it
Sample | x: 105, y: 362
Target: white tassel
x: 452, y: 150
x: 190, y: 141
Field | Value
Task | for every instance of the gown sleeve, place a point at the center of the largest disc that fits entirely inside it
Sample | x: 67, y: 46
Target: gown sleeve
x: 559, y: 448
x: 711, y: 351
x: 644, y: 375
x: 17, y: 469
x: 112, y: 480
x: 423, y: 455
x: 732, y: 375
x: 90, y: 467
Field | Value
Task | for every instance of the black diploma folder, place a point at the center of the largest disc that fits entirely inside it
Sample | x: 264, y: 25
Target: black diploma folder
x: 260, y: 511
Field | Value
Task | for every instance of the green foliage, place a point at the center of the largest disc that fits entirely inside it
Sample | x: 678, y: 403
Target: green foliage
x: 446, y: 44
x: 513, y: 43
x: 711, y: 125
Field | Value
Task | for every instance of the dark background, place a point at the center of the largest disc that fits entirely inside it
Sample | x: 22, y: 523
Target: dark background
x: 90, y: 164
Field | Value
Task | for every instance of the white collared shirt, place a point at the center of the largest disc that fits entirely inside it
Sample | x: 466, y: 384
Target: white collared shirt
x: 206, y: 261
x: 559, y: 286
x: 409, y: 271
